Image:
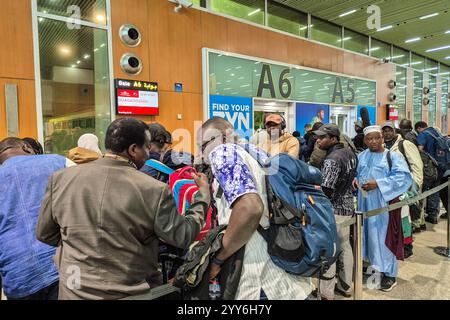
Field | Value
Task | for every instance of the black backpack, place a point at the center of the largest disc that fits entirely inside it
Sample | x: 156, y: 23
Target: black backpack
x: 430, y: 166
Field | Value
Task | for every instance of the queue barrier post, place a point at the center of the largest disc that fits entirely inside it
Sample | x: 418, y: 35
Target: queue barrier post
x: 445, y: 251
x: 357, y: 238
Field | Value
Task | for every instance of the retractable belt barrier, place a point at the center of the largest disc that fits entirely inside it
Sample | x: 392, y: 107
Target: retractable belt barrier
x: 357, y: 220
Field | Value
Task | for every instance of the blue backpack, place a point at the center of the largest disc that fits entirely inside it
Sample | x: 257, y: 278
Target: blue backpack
x: 302, y: 238
x: 442, y: 149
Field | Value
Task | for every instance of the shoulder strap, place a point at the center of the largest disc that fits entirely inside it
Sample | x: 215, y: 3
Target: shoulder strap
x: 401, y: 147
x: 159, y: 166
x: 389, y: 160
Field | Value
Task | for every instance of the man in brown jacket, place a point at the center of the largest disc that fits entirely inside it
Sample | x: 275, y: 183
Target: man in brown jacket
x: 106, y: 217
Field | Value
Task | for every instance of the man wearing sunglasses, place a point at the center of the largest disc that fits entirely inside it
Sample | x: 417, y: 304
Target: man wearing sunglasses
x: 26, y: 265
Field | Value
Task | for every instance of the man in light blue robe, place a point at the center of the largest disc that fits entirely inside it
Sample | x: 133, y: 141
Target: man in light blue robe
x: 378, y: 184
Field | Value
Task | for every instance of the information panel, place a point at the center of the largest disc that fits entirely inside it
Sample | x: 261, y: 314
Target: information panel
x: 136, y: 97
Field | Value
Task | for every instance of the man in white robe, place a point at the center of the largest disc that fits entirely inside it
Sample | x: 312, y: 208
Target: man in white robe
x: 379, y: 183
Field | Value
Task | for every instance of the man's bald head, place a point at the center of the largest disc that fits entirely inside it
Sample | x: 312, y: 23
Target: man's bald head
x: 214, y: 132
x: 219, y: 124
x: 11, y: 147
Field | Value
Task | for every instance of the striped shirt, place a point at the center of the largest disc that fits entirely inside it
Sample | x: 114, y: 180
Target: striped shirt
x: 238, y: 173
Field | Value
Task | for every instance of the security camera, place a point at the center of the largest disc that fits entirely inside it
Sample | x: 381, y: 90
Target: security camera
x: 384, y: 61
x: 182, y: 4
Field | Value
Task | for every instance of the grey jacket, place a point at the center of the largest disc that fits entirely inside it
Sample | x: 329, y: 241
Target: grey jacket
x: 106, y: 219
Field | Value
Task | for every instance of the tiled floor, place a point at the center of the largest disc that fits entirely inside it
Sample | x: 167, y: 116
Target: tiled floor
x: 425, y: 276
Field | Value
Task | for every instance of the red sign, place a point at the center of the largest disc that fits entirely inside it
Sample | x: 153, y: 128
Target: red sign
x: 393, y: 112
x: 137, y: 98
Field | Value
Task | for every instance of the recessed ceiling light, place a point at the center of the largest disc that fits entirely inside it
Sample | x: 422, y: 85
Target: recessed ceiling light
x: 347, y: 13
x: 65, y: 50
x: 254, y: 12
x: 412, y: 40
x: 429, y: 16
x: 439, y: 48
x: 344, y: 39
x: 78, y: 62
x: 447, y: 32
x: 100, y: 18
x: 86, y: 56
x: 385, y: 28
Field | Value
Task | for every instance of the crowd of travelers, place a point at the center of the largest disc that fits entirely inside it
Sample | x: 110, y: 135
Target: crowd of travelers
x: 118, y: 223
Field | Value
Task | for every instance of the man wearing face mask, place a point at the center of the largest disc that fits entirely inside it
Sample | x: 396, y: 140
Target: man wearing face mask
x: 26, y: 265
x: 279, y: 141
x: 107, y: 217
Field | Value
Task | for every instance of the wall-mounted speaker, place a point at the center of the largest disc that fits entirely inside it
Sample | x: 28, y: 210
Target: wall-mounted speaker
x: 426, y: 90
x: 131, y: 64
x: 392, y: 97
x: 130, y: 35
x: 392, y: 84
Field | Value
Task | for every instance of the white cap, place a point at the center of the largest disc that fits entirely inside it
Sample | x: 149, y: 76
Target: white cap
x: 372, y: 129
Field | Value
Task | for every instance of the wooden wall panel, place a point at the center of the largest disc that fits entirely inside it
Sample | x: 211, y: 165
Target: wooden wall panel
x: 175, y: 47
x: 27, y: 109
x: 176, y: 40
x: 134, y: 12
x: 214, y: 31
x: 16, y: 55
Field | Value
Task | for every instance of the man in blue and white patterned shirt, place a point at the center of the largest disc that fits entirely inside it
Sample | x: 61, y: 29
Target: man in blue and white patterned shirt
x: 243, y: 207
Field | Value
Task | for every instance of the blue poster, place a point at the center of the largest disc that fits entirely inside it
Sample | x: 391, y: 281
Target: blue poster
x: 372, y: 114
x: 310, y: 113
x: 236, y: 110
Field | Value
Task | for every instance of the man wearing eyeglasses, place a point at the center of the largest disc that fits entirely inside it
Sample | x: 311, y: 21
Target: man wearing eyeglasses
x: 243, y: 206
x: 26, y: 265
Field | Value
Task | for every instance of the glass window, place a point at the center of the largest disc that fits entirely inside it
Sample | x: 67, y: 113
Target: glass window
x: 252, y: 11
x: 286, y: 19
x: 355, y: 41
x: 444, y: 106
x: 444, y: 71
x: 380, y: 49
x: 400, y: 91
x: 431, y: 66
x: 233, y: 76
x: 75, y: 83
x: 400, y: 56
x: 417, y: 62
x: 417, y: 98
x: 326, y: 32
x: 432, y: 106
x: 88, y: 10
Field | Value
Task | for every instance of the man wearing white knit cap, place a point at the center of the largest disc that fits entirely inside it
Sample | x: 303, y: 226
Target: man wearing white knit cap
x: 382, y: 177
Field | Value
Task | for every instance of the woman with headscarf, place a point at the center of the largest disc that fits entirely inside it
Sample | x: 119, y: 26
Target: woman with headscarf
x: 87, y: 150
